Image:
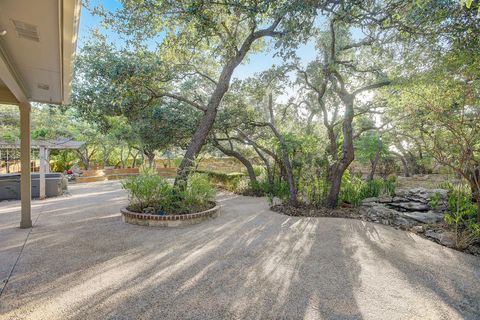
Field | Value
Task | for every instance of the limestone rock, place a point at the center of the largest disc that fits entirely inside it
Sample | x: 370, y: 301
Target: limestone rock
x: 407, y: 209
x: 409, y: 206
x: 442, y: 237
x: 417, y: 229
x: 423, y: 217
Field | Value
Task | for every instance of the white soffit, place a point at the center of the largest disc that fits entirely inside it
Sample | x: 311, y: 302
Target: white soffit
x: 39, y: 45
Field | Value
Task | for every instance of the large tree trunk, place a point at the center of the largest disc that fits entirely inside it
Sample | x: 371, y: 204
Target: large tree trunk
x: 242, y: 159
x: 336, y: 183
x: 134, y: 159
x: 374, y: 166
x: 84, y: 158
x: 478, y: 210
x: 266, y: 163
x: 221, y: 87
x: 406, y: 170
x: 271, y: 171
x: 291, y: 181
x: 105, y: 156
x: 474, y: 180
x: 122, y: 160
x: 151, y: 158
x: 196, y: 144
x: 348, y: 155
x: 286, y: 160
x: 287, y: 166
x: 207, y: 121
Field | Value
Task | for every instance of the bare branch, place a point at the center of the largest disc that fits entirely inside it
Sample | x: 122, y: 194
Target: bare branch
x: 362, y: 43
x: 372, y: 86
x: 182, y: 99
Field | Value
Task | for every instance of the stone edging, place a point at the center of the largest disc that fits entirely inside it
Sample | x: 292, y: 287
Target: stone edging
x: 154, y: 220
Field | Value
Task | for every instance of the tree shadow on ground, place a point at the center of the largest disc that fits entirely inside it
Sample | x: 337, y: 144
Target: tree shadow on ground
x: 443, y: 274
x: 248, y: 263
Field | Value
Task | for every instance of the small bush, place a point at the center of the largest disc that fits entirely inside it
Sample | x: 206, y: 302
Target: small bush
x: 354, y: 189
x: 151, y: 193
x: 259, y: 170
x: 435, y: 200
x: 199, y: 194
x: 147, y: 190
x: 316, y: 191
x: 277, y: 189
x: 461, y: 215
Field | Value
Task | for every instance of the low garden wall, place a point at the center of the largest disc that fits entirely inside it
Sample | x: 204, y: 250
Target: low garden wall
x: 116, y: 174
x: 179, y: 220
x: 220, y: 165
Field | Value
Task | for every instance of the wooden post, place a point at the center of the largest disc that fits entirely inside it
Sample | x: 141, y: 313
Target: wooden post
x: 47, y: 160
x: 25, y: 177
x: 42, y: 156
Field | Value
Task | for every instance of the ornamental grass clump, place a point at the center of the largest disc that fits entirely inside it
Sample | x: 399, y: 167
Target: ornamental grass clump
x: 150, y: 193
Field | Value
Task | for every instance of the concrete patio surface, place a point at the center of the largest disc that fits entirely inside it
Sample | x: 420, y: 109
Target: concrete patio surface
x: 80, y: 261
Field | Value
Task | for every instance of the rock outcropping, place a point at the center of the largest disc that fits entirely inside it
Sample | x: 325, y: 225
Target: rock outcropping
x: 408, y: 208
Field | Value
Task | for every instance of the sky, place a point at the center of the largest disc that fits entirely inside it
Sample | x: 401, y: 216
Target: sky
x: 256, y: 62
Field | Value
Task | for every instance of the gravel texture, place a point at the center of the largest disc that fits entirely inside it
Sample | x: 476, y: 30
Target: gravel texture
x: 82, y: 262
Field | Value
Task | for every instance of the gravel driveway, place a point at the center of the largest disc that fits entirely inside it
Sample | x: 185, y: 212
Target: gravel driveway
x: 80, y: 261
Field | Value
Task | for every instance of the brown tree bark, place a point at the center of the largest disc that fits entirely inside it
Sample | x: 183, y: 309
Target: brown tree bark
x: 474, y: 180
x: 286, y: 160
x: 478, y: 210
x: 259, y: 150
x: 286, y: 165
x: 406, y: 170
x: 337, y: 170
x: 237, y: 155
x: 374, y: 164
x: 150, y: 157
x: 375, y: 160
x: 266, y: 163
x: 221, y: 87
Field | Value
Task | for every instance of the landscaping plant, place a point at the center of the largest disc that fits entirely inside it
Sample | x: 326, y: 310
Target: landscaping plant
x: 150, y: 193
x: 462, y: 214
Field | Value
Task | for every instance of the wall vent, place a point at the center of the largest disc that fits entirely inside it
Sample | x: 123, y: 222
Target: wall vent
x: 26, y: 30
x: 43, y: 86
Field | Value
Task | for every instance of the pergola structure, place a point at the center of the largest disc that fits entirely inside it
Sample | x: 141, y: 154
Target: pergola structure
x: 37, y: 47
x: 44, y: 147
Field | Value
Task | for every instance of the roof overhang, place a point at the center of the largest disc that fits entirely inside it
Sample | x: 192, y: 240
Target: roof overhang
x: 60, y: 144
x: 37, y: 47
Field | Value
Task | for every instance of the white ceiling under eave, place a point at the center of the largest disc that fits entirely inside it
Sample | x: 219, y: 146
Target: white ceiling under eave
x: 39, y: 46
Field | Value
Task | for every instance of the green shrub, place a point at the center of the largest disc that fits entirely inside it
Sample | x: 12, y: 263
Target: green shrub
x: 460, y: 205
x: 147, y: 190
x: 199, y: 194
x: 390, y: 185
x: 151, y: 193
x: 461, y: 215
x: 277, y: 189
x: 435, y: 200
x: 259, y: 170
x: 447, y: 185
x: 316, y: 191
x: 354, y: 189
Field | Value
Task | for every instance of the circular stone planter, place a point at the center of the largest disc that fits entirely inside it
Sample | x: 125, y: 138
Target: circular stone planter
x: 153, y: 220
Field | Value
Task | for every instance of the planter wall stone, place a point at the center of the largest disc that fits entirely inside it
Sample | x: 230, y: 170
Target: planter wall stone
x: 179, y: 220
